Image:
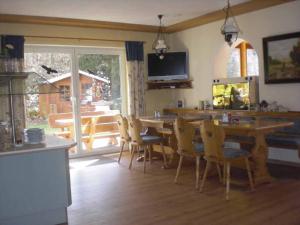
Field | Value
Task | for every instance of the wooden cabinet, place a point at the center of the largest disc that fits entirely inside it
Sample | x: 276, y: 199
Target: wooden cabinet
x: 169, y: 84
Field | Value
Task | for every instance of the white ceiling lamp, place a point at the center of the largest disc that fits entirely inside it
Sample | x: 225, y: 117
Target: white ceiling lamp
x: 160, y: 45
x: 230, y: 28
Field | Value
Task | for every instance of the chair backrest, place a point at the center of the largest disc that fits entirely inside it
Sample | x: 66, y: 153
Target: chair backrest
x: 135, y: 128
x: 123, y: 127
x: 184, y: 133
x: 213, y: 138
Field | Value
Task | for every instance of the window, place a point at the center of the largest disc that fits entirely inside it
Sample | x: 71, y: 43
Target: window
x: 243, y: 61
x: 64, y: 91
x: 233, y: 67
x: 87, y: 92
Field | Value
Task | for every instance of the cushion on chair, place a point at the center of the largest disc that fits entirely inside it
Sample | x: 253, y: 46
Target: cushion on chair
x: 149, y: 139
x: 231, y: 153
x: 143, y: 134
x: 199, y: 147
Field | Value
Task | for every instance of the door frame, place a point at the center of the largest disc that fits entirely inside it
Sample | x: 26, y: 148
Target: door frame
x: 75, y: 51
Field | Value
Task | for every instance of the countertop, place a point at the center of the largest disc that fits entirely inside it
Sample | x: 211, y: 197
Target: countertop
x: 51, y: 143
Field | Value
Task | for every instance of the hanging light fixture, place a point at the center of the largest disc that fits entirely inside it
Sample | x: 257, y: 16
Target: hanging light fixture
x: 230, y: 28
x: 160, y: 45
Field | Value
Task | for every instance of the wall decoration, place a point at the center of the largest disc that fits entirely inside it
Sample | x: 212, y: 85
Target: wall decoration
x: 282, y: 58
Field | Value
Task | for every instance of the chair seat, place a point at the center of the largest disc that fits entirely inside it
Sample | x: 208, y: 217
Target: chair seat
x: 149, y: 139
x: 199, y: 147
x: 231, y: 153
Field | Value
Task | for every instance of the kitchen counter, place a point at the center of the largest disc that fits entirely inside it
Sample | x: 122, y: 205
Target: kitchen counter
x: 35, y: 183
x: 51, y: 143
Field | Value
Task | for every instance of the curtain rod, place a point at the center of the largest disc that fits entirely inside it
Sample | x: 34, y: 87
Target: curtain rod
x: 79, y: 39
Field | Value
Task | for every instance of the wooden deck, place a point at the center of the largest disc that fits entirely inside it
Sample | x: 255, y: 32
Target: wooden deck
x: 106, y: 193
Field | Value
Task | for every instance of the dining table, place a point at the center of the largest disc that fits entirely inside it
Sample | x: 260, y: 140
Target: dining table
x: 256, y: 129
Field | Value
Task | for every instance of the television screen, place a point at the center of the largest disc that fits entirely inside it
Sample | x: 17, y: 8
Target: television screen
x: 172, y: 67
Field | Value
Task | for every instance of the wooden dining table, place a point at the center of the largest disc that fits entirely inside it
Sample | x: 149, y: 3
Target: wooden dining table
x: 256, y: 129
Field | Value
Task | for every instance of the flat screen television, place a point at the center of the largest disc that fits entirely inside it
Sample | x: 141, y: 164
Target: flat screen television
x: 172, y: 67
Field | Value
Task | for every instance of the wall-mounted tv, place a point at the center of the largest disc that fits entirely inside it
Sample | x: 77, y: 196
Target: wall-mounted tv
x: 172, y: 67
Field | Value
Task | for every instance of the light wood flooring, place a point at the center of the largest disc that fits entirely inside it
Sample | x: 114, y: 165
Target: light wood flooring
x: 107, y: 193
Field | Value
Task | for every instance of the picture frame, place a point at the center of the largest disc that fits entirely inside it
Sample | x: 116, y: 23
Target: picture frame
x: 282, y: 58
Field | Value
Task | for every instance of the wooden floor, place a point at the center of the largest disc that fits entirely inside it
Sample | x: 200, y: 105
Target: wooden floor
x: 107, y: 193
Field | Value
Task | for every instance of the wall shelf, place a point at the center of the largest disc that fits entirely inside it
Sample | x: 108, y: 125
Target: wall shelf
x: 169, y: 84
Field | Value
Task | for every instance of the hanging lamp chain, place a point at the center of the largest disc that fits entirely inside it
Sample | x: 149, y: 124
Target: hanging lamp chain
x: 160, y: 30
x: 229, y: 14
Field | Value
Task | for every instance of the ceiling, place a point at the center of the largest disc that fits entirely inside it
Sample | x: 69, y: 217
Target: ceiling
x: 125, y: 11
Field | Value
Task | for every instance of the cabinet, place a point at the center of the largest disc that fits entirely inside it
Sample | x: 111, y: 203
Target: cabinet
x: 169, y: 84
x: 35, y: 183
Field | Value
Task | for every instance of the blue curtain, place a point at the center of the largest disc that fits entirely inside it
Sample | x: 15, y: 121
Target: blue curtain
x: 12, y: 46
x: 134, y: 50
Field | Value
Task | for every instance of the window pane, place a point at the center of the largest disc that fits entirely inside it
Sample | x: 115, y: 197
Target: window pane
x: 252, y: 62
x: 234, y: 64
x: 100, y: 100
x: 44, y: 98
x: 104, y: 91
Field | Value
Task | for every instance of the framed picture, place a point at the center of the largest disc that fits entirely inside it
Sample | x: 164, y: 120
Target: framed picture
x: 282, y: 58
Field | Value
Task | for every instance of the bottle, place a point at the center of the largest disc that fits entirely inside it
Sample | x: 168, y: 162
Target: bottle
x: 225, y: 118
x: 229, y: 117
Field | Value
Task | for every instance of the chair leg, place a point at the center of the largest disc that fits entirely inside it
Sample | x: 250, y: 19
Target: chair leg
x: 121, y: 151
x: 178, y: 168
x: 197, y: 171
x: 132, y: 155
x: 219, y: 172
x: 164, y: 155
x: 150, y: 153
x: 145, y: 157
x: 224, y: 173
x: 249, y: 174
x: 204, y: 175
x: 227, y: 180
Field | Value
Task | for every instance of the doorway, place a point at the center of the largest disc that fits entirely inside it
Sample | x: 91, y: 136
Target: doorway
x: 90, y: 88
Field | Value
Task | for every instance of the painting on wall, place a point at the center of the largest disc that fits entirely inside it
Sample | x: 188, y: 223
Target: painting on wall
x: 282, y: 58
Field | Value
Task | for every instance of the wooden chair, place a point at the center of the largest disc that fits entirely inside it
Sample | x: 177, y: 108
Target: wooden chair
x: 213, y: 138
x: 124, y: 136
x: 185, y: 133
x: 145, y: 141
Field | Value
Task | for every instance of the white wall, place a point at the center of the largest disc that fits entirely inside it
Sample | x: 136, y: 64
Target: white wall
x: 208, y: 53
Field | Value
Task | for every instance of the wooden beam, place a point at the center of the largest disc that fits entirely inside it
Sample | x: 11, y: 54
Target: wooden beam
x: 219, y: 14
x: 5, y: 18
x: 77, y: 38
x: 243, y: 56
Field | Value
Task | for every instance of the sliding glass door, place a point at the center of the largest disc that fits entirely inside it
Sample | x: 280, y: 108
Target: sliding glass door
x: 88, y: 87
x: 99, y: 89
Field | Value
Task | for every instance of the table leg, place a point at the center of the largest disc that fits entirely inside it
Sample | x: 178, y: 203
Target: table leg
x: 260, y: 156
